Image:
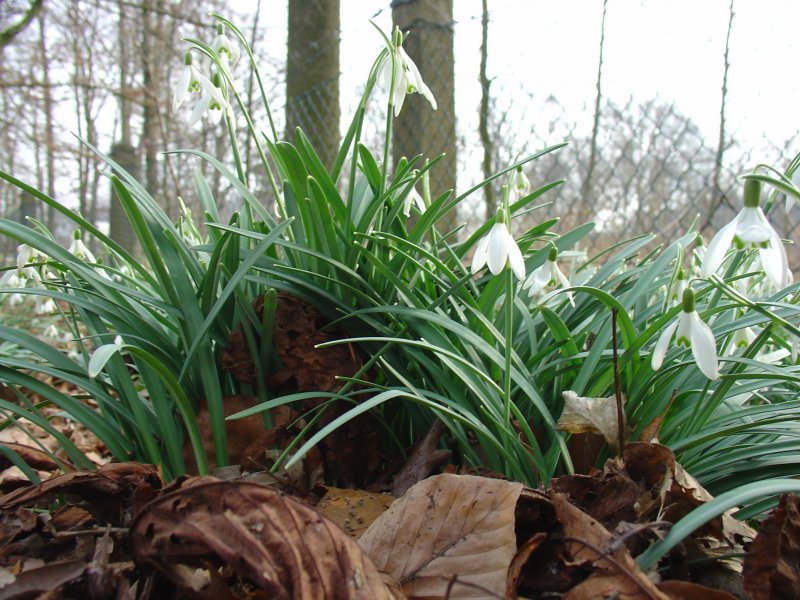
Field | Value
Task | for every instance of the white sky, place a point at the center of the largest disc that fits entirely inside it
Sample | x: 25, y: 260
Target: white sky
x: 667, y: 48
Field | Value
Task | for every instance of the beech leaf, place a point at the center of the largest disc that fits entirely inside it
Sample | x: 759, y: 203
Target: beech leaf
x: 285, y: 548
x: 590, y: 415
x: 448, y: 536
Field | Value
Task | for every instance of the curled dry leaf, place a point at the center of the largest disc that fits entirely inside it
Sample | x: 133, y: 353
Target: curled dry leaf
x: 590, y: 415
x: 425, y: 457
x: 37, y: 582
x: 254, y: 535
x: 614, y: 570
x: 449, y: 536
x: 112, y: 491
x: 772, y: 567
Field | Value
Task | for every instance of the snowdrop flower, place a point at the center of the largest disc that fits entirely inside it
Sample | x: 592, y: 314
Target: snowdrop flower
x: 548, y: 275
x: 691, y: 332
x: 212, y: 103
x: 79, y: 249
x: 677, y: 287
x: 498, y: 248
x: 413, y: 197
x: 407, y: 78
x: 519, y: 183
x: 741, y: 338
x: 44, y: 306
x: 51, y: 332
x: 15, y: 299
x: 227, y: 52
x: 191, y: 81
x: 29, y: 273
x: 750, y: 228
x: 24, y: 255
x: 698, y: 255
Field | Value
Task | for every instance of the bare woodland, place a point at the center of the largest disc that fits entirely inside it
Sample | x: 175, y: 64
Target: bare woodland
x: 103, y: 71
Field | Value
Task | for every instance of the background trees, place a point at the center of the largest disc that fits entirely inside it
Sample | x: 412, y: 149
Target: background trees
x: 104, y: 70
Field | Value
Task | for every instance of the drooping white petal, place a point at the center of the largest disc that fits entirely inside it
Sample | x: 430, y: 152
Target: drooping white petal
x: 660, y: 351
x: 182, y: 87
x: 199, y: 109
x: 479, y: 258
x: 24, y: 255
x: 704, y: 348
x: 559, y: 275
x: 715, y: 253
x: 497, y: 252
x: 775, y: 263
x: 515, y: 259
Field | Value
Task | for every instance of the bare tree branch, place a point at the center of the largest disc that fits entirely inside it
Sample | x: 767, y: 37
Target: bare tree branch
x: 7, y: 34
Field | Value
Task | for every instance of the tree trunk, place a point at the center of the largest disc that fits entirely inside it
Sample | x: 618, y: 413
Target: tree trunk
x: 49, y: 135
x: 312, y: 75
x: 125, y: 156
x: 490, y: 199
x: 123, y: 152
x: 418, y: 129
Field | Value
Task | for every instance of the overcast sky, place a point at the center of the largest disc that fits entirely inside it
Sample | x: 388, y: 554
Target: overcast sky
x: 667, y: 48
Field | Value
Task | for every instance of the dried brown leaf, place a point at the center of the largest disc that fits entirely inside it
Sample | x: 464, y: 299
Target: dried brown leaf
x: 111, y: 490
x: 614, y: 570
x: 425, y: 457
x: 685, y: 590
x: 30, y: 584
x: 353, y: 510
x: 256, y: 535
x: 450, y: 535
x: 518, y: 563
x: 772, y: 566
x: 590, y: 415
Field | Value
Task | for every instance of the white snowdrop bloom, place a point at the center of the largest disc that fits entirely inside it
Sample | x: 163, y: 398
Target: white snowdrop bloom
x: 498, y: 248
x: 741, y: 338
x: 44, y: 305
x: 51, y: 332
x: 191, y: 81
x: 211, y: 104
x: 79, y: 249
x: 518, y: 183
x: 407, y: 78
x: 677, y: 287
x: 690, y: 331
x: 547, y: 276
x: 227, y: 52
x: 750, y: 228
x: 413, y: 198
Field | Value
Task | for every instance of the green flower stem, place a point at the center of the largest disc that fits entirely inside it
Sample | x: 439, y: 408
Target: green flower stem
x: 509, y: 318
